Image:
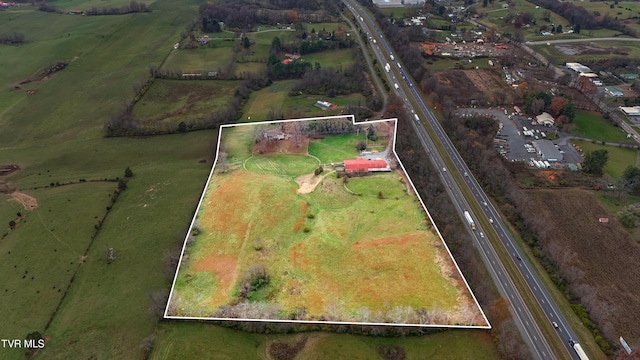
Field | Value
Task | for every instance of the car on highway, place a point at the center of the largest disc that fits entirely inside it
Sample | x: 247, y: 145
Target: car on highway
x: 491, y: 221
x: 481, y: 234
x: 555, y: 324
x: 444, y: 169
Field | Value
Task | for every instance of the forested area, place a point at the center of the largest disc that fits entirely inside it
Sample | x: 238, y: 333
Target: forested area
x: 246, y: 15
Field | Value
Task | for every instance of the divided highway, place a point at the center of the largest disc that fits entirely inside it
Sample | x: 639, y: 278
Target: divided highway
x: 403, y: 85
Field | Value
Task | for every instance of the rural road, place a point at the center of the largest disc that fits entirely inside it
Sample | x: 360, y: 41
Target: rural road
x: 585, y: 40
x: 404, y: 87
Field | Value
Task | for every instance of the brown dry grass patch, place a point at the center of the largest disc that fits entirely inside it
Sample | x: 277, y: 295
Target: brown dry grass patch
x: 223, y: 267
x: 373, y: 273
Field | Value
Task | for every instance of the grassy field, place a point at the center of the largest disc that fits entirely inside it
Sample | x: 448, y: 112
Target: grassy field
x: 88, y: 4
x: 386, y: 183
x: 316, y: 233
x: 193, y: 341
x: 202, y: 59
x: 338, y: 236
x: 237, y: 143
x: 591, y: 125
x: 39, y: 257
x: 336, y: 148
x: 619, y: 158
x: 335, y: 58
x: 621, y: 10
x: 177, y: 100
x: 94, y: 85
x: 287, y: 165
x: 559, y: 58
x: 277, y: 97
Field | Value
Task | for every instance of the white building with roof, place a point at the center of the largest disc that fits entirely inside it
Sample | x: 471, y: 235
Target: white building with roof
x: 630, y: 110
x: 545, y: 119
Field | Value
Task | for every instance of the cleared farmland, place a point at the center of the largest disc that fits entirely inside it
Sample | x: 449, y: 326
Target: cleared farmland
x: 327, y: 254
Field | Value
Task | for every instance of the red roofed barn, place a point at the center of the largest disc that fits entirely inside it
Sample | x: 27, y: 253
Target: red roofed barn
x: 364, y: 165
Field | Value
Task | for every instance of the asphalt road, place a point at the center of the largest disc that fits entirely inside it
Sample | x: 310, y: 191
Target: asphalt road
x: 529, y: 329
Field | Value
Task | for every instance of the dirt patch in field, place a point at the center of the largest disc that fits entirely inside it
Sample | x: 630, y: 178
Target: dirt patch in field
x: 307, y: 183
x: 224, y: 207
x: 584, y: 49
x: 491, y: 84
x: 224, y: 269
x: 27, y: 202
x: 599, y: 260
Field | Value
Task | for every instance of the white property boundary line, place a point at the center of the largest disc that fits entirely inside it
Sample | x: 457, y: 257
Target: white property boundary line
x: 353, y: 120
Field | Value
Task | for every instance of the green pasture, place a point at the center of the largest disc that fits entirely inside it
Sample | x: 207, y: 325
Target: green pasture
x: 557, y: 57
x: 200, y: 59
x: 237, y: 142
x: 265, y: 37
x: 387, y: 183
x: 38, y: 258
x: 197, y: 340
x: 337, y: 147
x: 592, y: 125
x: 619, y: 158
x: 106, y: 313
x: 253, y: 67
x: 276, y: 97
x: 621, y: 10
x: 341, y: 58
x: 285, y: 165
x: 88, y: 4
x: 106, y: 61
x: 177, y: 100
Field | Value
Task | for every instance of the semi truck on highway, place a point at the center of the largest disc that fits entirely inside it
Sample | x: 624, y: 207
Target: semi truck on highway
x: 578, y: 349
x: 417, y: 118
x: 396, y: 86
x: 387, y: 67
x: 467, y: 216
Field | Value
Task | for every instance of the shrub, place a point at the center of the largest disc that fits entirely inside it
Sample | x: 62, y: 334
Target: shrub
x: 311, y: 216
x: 306, y: 229
x: 392, y: 352
x: 380, y: 196
x: 257, y: 244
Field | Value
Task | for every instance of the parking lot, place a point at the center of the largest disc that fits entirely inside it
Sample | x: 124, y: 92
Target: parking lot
x: 512, y: 143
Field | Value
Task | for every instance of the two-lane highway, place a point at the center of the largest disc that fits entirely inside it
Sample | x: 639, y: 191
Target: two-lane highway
x: 401, y: 81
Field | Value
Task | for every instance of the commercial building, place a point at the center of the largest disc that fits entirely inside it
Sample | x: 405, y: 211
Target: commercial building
x: 547, y: 151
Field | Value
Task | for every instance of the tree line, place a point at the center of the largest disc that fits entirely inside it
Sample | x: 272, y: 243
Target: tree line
x: 133, y: 7
x: 246, y: 15
x: 12, y: 38
x: 122, y: 122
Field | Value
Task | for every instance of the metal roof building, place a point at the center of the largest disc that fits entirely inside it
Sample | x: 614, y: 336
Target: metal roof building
x: 547, y: 150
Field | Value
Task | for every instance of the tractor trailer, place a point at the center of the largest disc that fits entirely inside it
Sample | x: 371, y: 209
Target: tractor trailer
x: 467, y: 217
x: 578, y: 349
